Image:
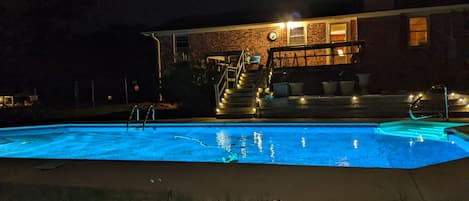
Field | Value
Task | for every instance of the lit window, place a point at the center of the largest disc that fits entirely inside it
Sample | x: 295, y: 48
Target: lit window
x: 418, y: 31
x: 297, y: 36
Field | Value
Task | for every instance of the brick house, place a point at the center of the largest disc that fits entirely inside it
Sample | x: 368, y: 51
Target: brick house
x: 400, y: 44
x: 405, y: 48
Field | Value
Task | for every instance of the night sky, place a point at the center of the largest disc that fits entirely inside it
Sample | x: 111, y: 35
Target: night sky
x: 155, y: 12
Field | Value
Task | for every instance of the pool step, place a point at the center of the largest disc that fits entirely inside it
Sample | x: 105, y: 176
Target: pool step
x: 416, y: 129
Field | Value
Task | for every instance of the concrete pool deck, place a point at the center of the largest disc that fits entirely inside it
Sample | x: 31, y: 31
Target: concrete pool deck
x: 123, y: 180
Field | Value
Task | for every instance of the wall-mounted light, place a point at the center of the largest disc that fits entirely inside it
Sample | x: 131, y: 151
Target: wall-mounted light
x: 292, y: 25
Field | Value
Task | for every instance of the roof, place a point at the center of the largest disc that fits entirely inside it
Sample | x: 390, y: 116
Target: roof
x: 238, y: 20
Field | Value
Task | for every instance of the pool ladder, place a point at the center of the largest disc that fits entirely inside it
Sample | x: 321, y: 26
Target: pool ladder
x: 151, y: 110
x: 444, y: 116
x: 136, y: 112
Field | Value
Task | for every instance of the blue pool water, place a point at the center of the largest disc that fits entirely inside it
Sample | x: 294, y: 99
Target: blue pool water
x: 344, y: 145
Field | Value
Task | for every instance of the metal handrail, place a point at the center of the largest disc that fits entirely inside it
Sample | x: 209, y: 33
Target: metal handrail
x: 224, y: 79
x: 151, y: 109
x: 413, y: 105
x: 136, y: 110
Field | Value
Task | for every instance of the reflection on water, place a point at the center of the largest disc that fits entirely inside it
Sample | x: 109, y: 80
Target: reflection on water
x: 258, y: 140
x: 223, y: 141
x: 272, y: 152
x: 243, y: 146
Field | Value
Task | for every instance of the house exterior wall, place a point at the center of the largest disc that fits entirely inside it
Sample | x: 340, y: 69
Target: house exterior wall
x: 255, y: 39
x: 201, y: 44
x: 394, y: 65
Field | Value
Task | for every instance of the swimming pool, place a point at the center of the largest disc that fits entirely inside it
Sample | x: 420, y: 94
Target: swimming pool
x: 308, y: 144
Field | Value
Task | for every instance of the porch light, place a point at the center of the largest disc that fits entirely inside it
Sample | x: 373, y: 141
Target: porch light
x: 218, y: 110
x: 292, y: 25
x: 411, y: 96
x: 354, y: 98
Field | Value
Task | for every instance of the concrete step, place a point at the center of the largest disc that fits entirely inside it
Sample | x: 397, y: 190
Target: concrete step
x: 237, y: 104
x: 236, y: 112
x: 239, y: 99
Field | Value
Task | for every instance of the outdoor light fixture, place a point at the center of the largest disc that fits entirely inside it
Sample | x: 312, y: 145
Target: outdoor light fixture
x: 303, y: 100
x: 254, y: 109
x: 420, y: 94
x: 467, y: 105
x: 453, y: 94
x: 292, y: 25
x: 461, y: 99
x: 411, y: 96
x: 218, y: 110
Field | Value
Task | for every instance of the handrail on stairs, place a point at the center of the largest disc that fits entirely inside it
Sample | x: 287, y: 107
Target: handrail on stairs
x: 223, y: 84
x: 414, y: 104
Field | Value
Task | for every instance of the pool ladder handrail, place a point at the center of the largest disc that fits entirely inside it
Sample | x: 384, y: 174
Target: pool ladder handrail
x: 136, y: 111
x: 153, y: 110
x: 446, y: 107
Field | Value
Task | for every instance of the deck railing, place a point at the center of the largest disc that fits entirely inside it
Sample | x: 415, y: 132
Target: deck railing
x: 315, y: 55
x: 231, y: 74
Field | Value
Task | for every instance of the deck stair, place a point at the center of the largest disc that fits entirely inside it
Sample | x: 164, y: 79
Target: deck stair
x: 240, y: 101
x: 423, y: 130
